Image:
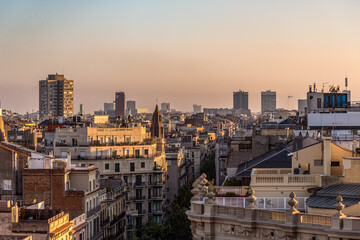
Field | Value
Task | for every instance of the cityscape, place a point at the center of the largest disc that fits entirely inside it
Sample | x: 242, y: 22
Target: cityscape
x: 125, y: 149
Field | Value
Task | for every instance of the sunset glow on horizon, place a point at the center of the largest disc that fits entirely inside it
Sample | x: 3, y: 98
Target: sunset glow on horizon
x: 182, y: 52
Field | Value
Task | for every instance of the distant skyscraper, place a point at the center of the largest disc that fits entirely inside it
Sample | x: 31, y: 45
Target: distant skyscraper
x: 268, y: 101
x: 56, y: 96
x: 119, y: 104
x: 241, y: 100
x: 131, y: 107
x: 165, y: 107
x: 197, y: 108
x: 109, y: 109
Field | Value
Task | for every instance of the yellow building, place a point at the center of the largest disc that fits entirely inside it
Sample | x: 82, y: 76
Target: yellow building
x: 60, y: 227
x: 320, y: 164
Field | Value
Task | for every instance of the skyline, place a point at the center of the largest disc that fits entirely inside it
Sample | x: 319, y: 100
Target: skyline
x: 182, y: 53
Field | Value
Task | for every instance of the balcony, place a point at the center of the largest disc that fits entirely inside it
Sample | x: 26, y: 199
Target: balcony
x: 157, y: 183
x: 157, y: 197
x: 158, y: 168
x: 93, y: 211
x: 137, y: 198
x: 139, y: 184
x: 116, y: 219
x: 105, y: 222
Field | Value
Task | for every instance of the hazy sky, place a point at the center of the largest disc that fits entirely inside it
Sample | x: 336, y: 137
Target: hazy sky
x: 182, y: 52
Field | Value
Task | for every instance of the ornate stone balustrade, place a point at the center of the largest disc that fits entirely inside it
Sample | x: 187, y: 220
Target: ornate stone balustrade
x: 210, y: 221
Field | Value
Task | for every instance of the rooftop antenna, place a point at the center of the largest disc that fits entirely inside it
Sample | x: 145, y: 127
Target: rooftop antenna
x: 346, y: 82
x: 323, y: 88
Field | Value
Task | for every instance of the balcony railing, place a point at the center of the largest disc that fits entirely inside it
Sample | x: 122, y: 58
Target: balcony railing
x: 93, y: 211
x: 272, y: 171
x: 275, y: 203
x: 139, y: 184
x: 286, y: 180
x: 137, y: 198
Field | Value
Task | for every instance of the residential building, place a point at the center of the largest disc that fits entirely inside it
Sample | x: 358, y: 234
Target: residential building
x: 92, y: 142
x: 144, y: 175
x: 14, y: 158
x: 87, y: 179
x: 268, y: 101
x: 120, y: 104
x: 177, y: 170
x: 56, y: 96
x: 302, y: 106
x: 26, y: 138
x: 241, y: 100
x: 221, y: 154
x: 113, y: 209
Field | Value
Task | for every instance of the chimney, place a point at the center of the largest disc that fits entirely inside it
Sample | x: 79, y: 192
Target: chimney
x: 327, y: 155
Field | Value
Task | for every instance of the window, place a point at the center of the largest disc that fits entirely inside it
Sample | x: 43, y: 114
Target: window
x: 107, y: 166
x: 138, y: 193
x: 117, y: 167
x: 138, y: 179
x: 142, y: 164
x: 126, y: 179
x: 146, y: 151
x: 335, y: 164
x: 318, y: 162
x: 137, y: 153
x: 149, y: 206
x: 319, y: 103
x: 132, y: 167
x: 90, y: 186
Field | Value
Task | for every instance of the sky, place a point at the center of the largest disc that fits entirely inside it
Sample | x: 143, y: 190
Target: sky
x: 182, y: 52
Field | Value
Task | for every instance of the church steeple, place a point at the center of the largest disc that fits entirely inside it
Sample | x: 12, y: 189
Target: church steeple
x: 157, y: 127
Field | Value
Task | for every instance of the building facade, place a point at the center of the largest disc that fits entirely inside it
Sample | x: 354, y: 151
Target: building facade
x: 131, y: 107
x: 56, y: 96
x: 120, y: 104
x: 268, y: 101
x: 241, y: 100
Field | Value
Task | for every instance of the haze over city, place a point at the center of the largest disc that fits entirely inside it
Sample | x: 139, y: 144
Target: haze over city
x: 182, y: 52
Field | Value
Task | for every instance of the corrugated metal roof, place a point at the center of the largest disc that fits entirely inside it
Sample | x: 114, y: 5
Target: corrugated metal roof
x: 326, y: 197
x: 344, y: 189
x: 329, y: 202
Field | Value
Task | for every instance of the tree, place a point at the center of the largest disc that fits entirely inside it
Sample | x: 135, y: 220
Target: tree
x: 152, y: 231
x: 178, y: 224
x: 232, y: 182
x: 184, y: 196
x: 208, y: 166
